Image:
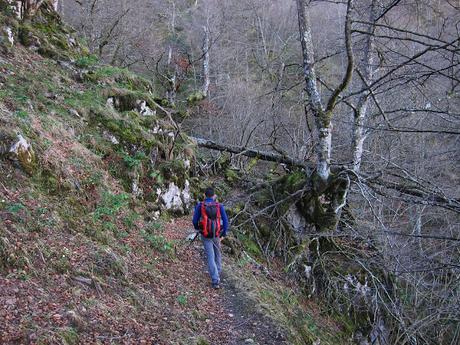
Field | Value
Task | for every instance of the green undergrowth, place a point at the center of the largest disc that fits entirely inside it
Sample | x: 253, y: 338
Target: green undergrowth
x: 304, y: 321
x: 69, y: 336
x: 153, y: 236
x: 86, y: 61
x: 82, y: 181
x: 111, y: 75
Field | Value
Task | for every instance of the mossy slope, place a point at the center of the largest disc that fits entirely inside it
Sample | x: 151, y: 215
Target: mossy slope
x: 70, y: 219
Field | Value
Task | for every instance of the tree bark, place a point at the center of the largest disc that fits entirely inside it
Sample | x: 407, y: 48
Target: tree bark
x: 323, y: 116
x: 28, y: 8
x: 206, y: 46
x: 264, y: 155
x: 360, y: 113
x: 31, y: 7
x: 172, y: 79
x: 322, y: 120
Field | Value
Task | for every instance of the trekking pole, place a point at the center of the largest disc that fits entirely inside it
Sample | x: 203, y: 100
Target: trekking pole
x: 189, y: 245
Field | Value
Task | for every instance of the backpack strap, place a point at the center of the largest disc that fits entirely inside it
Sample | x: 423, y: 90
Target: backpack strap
x: 218, y: 220
x: 204, y: 220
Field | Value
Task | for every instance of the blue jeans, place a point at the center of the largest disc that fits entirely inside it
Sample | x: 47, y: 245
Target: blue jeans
x: 213, y: 256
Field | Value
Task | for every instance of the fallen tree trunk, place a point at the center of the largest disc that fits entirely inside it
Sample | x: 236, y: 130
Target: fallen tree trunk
x: 417, y: 194
x: 264, y: 155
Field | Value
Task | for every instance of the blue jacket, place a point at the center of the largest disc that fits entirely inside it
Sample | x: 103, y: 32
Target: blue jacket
x: 223, y: 215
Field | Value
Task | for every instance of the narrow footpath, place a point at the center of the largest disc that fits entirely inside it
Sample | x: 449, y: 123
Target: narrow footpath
x: 228, y: 314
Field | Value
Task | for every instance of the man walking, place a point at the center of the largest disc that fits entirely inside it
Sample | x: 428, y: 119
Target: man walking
x: 211, y: 221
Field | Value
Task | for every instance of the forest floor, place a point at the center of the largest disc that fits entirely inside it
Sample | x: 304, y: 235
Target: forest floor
x: 167, y: 302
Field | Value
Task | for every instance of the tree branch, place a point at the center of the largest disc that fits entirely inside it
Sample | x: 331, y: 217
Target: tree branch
x: 264, y: 155
x: 349, y: 73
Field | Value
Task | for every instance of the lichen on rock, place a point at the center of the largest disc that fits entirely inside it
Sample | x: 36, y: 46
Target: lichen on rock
x: 10, y: 35
x: 144, y: 109
x: 172, y: 198
x: 176, y: 199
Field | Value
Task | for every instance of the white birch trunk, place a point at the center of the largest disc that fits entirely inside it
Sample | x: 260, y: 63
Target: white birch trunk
x: 322, y: 120
x: 169, y: 55
x: 323, y: 152
x: 358, y: 141
x: 171, y: 92
x: 262, y: 37
x: 27, y: 8
x: 206, y: 46
x: 418, y: 224
x: 31, y: 7
x: 360, y: 115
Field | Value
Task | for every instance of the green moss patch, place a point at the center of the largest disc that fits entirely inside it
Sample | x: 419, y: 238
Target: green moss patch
x: 126, y: 130
x: 120, y: 77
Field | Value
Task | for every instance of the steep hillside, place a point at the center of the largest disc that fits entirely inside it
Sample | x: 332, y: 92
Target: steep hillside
x: 93, y: 166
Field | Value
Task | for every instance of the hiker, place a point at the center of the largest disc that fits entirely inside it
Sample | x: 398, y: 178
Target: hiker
x: 211, y: 221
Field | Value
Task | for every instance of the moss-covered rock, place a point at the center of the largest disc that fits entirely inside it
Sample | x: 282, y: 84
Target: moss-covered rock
x: 26, y: 35
x: 174, y: 171
x: 126, y: 130
x: 195, y: 97
x: 8, y: 29
x: 19, y: 150
x: 6, y: 141
x: 122, y: 99
x: 127, y: 100
x: 231, y: 175
x: 45, y: 33
x: 114, y: 76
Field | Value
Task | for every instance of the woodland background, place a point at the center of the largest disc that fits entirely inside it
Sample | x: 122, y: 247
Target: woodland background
x: 363, y: 95
x: 402, y: 101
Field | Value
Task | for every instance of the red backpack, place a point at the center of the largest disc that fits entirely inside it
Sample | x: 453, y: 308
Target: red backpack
x: 210, y: 219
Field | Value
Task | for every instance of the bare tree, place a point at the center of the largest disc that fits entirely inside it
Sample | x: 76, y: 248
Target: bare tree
x: 323, y: 115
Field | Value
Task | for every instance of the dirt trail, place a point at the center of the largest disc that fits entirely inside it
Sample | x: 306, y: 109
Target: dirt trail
x: 160, y: 298
x: 230, y: 318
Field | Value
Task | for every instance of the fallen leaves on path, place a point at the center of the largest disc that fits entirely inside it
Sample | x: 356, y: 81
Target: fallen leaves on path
x: 76, y: 291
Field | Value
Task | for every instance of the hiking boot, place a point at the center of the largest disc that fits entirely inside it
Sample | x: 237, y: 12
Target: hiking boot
x: 215, y: 286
